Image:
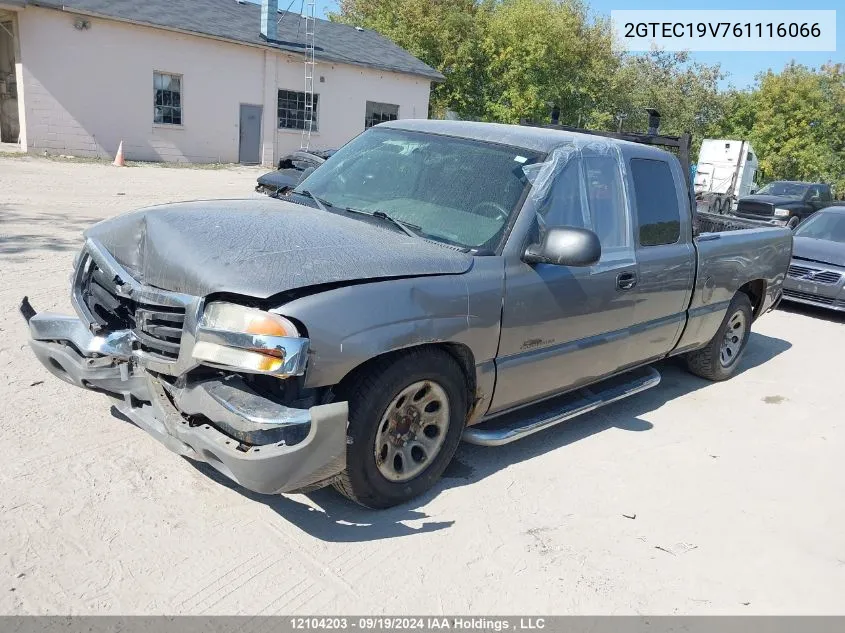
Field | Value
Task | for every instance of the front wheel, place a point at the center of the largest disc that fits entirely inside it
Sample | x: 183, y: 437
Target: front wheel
x: 406, y: 417
x: 719, y: 359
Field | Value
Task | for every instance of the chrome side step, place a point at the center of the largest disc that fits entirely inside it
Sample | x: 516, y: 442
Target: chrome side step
x: 514, y: 425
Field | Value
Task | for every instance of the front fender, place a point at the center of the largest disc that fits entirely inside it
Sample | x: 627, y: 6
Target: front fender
x: 351, y: 325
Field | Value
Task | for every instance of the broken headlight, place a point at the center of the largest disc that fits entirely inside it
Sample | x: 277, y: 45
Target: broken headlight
x: 248, y: 339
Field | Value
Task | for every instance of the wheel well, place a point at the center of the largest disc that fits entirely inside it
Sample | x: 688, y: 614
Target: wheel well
x: 756, y: 291
x: 461, y: 353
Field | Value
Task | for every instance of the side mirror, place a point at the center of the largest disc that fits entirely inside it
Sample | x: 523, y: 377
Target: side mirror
x: 565, y: 246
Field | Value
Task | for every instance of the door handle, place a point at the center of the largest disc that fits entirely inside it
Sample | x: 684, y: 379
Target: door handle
x: 626, y: 281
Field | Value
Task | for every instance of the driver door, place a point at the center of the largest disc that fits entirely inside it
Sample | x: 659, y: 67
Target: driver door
x: 563, y: 327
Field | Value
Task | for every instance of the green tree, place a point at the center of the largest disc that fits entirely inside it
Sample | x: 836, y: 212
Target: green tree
x: 505, y: 60
x: 795, y: 120
x: 445, y: 34
x: 685, y: 93
x: 543, y: 53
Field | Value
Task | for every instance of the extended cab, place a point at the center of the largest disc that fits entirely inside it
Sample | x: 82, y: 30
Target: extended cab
x: 432, y: 280
x: 785, y: 203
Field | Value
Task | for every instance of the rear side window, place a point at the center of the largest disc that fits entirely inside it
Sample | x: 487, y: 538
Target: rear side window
x: 657, y: 202
x: 826, y: 195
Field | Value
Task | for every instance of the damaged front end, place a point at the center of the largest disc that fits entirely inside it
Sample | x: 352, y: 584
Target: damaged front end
x: 215, y: 382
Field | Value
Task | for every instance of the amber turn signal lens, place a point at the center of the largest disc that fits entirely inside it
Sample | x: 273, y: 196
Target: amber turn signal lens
x: 270, y: 325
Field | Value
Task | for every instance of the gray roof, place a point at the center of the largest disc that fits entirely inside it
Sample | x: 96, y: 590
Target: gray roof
x: 241, y: 22
x: 537, y: 139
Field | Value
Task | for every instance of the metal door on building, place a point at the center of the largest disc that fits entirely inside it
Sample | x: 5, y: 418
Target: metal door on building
x: 249, y: 150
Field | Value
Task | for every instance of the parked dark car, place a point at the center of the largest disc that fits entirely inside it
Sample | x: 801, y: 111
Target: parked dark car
x: 817, y: 272
x: 785, y: 202
x: 292, y: 169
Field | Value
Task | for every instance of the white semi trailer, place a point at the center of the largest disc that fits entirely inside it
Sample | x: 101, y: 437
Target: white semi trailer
x: 726, y: 171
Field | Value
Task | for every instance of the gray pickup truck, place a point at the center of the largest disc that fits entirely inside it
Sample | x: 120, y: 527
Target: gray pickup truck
x: 431, y: 281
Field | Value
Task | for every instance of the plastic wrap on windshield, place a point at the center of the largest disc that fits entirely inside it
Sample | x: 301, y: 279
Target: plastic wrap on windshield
x: 543, y: 176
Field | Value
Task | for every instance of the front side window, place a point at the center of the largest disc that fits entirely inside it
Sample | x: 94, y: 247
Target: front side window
x: 658, y: 212
x: 606, y: 197
x: 379, y: 113
x: 784, y: 189
x: 588, y: 193
x: 295, y: 109
x: 167, y: 99
x: 455, y: 190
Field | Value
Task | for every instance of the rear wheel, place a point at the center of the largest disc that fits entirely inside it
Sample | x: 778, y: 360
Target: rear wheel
x: 406, y: 417
x: 719, y: 359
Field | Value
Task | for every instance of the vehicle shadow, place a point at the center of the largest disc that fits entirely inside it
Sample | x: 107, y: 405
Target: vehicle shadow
x: 812, y: 311
x: 331, y: 517
x: 473, y: 463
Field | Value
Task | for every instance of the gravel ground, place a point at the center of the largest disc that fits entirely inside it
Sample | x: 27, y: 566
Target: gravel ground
x: 691, y: 498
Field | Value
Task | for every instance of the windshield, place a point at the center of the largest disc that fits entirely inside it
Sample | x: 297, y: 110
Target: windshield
x: 823, y: 226
x: 784, y: 189
x: 453, y: 190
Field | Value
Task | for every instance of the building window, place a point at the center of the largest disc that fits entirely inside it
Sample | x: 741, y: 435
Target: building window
x: 379, y: 113
x: 167, y: 99
x: 294, y: 110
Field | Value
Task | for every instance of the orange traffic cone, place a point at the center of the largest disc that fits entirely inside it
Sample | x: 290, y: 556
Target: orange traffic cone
x: 119, y: 160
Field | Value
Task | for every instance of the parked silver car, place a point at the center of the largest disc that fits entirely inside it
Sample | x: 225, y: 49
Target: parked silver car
x: 817, y: 272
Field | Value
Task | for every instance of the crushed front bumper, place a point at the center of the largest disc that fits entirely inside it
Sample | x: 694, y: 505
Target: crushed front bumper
x: 254, y: 441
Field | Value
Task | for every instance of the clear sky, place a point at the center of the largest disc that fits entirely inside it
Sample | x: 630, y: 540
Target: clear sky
x: 741, y: 66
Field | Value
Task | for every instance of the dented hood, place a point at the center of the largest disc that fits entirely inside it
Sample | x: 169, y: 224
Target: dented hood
x: 260, y: 248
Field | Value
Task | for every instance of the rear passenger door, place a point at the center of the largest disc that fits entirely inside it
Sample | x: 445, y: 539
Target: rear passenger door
x: 665, y: 255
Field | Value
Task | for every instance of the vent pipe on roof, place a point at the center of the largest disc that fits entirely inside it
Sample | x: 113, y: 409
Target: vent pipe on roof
x: 269, y: 24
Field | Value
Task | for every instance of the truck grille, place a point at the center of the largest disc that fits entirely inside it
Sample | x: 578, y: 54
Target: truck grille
x: 813, y: 274
x: 758, y: 209
x: 157, y: 328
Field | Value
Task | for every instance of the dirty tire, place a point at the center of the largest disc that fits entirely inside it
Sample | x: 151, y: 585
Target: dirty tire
x: 369, y: 394
x: 793, y: 223
x: 706, y: 361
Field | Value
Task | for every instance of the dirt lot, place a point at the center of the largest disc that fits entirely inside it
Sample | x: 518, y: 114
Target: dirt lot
x: 97, y: 517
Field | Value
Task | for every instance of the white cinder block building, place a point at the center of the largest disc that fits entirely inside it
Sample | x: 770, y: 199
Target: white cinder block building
x: 192, y: 80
